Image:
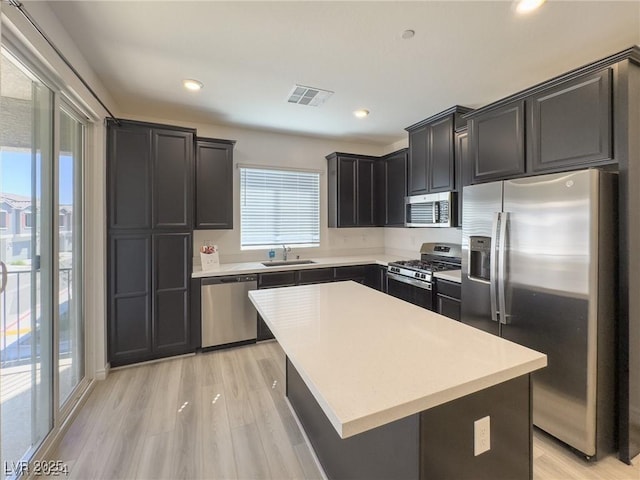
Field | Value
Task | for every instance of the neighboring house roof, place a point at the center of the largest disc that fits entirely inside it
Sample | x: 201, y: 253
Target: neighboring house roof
x: 21, y: 202
x: 17, y: 202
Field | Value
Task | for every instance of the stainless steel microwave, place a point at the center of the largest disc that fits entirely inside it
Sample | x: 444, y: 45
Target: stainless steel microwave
x: 430, y: 210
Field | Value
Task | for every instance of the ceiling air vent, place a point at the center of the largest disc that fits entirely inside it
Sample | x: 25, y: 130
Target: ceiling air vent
x: 311, y: 96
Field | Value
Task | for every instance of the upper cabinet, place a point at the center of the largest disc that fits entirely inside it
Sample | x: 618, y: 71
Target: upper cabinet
x: 570, y: 124
x: 563, y: 124
x: 129, y: 171
x: 352, y: 195
x: 150, y: 176
x: 214, y: 184
x: 172, y: 155
x: 432, y: 161
x: 366, y: 195
x: 393, y: 188
x: 367, y: 191
x: 463, y: 174
x: 497, y: 143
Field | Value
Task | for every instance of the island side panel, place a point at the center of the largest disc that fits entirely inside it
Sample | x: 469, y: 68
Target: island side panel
x: 389, y: 451
x: 447, y: 435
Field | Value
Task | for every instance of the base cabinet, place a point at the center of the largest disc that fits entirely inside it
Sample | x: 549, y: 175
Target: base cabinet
x: 448, y: 295
x: 130, y: 298
x: 149, y: 304
x: 432, y: 444
x: 172, y: 331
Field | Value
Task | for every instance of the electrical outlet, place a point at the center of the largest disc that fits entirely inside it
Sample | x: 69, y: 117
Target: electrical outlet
x: 481, y: 435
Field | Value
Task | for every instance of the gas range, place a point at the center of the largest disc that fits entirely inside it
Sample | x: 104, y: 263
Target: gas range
x: 434, y: 257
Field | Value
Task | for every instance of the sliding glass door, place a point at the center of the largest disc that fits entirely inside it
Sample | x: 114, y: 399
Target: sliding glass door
x: 71, y: 331
x: 26, y: 374
x: 41, y: 308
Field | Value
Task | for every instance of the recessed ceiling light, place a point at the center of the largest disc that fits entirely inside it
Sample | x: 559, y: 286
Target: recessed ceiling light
x: 193, y: 85
x: 362, y: 113
x: 407, y: 34
x: 526, y: 6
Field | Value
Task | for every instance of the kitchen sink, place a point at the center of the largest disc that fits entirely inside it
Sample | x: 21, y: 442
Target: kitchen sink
x: 287, y: 262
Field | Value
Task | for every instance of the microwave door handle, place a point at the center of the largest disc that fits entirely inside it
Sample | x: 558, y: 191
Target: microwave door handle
x: 493, y: 267
x: 502, y: 268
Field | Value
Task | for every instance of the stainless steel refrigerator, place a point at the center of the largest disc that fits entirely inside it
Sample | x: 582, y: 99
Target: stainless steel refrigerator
x: 539, y: 269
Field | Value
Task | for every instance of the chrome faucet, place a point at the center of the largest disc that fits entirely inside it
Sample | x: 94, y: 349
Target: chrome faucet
x: 285, y: 251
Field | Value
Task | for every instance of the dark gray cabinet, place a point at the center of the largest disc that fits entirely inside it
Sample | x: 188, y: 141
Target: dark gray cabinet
x: 441, y: 156
x: 316, y: 275
x: 130, y: 294
x: 418, y: 138
x: 149, y: 289
x: 149, y: 259
x: 129, y: 171
x: 463, y: 173
x: 497, y: 148
x: 172, y: 178
x: 366, y: 197
x: 392, y: 188
x: 172, y: 258
x: 570, y: 124
x: 448, y: 295
x: 352, y: 198
x: 214, y: 184
x: 432, y: 163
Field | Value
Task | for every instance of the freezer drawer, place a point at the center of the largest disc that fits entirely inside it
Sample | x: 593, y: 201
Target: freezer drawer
x: 228, y: 316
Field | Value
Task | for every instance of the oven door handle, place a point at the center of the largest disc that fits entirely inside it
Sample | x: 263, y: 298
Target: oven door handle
x: 409, y: 281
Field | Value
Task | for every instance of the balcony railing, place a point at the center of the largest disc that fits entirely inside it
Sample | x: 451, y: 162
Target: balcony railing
x: 21, y: 314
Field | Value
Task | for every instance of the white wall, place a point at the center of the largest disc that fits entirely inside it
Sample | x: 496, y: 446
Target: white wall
x: 395, y: 146
x: 406, y: 242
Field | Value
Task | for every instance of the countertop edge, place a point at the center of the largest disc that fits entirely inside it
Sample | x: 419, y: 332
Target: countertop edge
x: 454, y: 276
x: 378, y: 419
x: 257, y: 267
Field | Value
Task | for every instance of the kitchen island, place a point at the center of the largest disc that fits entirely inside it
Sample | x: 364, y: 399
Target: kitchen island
x: 385, y: 389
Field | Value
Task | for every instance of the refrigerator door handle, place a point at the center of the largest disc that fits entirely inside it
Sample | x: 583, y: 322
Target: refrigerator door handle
x: 502, y: 267
x: 493, y: 267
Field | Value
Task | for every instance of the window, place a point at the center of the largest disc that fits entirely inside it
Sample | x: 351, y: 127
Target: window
x: 279, y: 207
x: 3, y: 219
x: 27, y: 220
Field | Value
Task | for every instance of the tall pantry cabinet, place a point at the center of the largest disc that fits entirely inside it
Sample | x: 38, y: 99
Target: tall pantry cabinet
x: 149, y: 259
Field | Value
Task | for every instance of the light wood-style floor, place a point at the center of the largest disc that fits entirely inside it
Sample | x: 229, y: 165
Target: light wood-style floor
x: 223, y: 415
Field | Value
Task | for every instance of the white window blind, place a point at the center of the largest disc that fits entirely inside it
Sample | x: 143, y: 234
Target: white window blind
x: 279, y: 207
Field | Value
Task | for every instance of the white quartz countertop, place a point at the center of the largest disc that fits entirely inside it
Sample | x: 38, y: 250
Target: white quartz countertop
x: 370, y: 358
x: 320, y: 262
x: 451, y: 275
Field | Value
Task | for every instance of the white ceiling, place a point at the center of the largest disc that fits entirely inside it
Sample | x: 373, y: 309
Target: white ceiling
x: 250, y: 54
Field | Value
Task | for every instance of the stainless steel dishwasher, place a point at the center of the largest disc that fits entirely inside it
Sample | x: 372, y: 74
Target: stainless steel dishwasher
x: 228, y: 316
